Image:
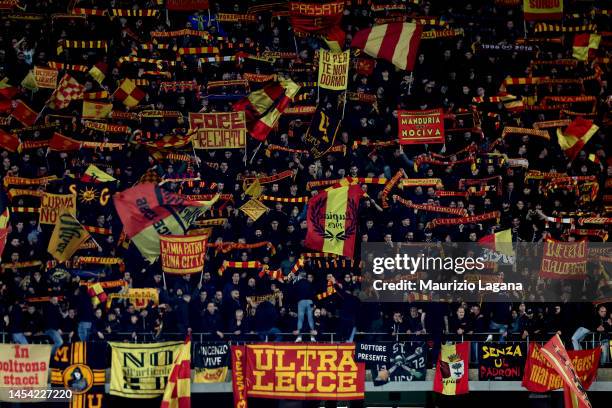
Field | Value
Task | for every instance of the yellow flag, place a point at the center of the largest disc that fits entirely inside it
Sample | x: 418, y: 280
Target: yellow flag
x: 97, y: 74
x: 67, y: 237
x: 254, y: 209
x: 254, y: 190
x: 98, y: 175
x: 29, y: 82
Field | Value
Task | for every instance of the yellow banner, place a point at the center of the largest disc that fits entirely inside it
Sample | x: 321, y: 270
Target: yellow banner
x: 223, y: 130
x: 333, y: 69
x: 182, y: 254
x: 141, y: 370
x: 139, y: 297
x: 53, y: 204
x: 45, y: 78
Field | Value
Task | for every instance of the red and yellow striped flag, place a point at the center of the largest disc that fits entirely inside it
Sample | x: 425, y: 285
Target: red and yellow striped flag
x: 575, y: 136
x: 332, y: 220
x: 178, y: 389
x: 263, y: 108
x: 397, y: 43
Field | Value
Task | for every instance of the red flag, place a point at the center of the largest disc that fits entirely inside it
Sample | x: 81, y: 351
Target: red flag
x: 187, y: 5
x: 318, y: 18
x: 574, y: 394
x: 63, y: 143
x: 24, y: 114
x: 8, y: 141
x: 238, y: 376
x: 332, y: 220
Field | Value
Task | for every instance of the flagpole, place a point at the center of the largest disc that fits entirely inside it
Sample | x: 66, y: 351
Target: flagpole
x: 164, y: 279
x: 255, y: 152
x: 410, y: 84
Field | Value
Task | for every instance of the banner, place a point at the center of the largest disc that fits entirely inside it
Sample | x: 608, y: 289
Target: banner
x: 540, y: 376
x: 313, y: 371
x: 536, y: 10
x: 183, y: 254
x: 45, y: 78
x: 564, y: 260
x: 138, y: 297
x: 333, y: 220
x: 141, y: 370
x: 81, y: 367
x: 333, y: 69
x: 451, y: 376
x: 224, y: 130
x: 406, y: 361
x: 23, y: 367
x: 211, y: 362
x: 238, y: 376
x: 186, y: 5
x: 53, y: 204
x: 501, y: 361
x: 324, y: 126
x: 421, y: 127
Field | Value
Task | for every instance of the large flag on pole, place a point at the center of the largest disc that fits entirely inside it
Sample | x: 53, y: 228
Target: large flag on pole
x: 574, y: 394
x: 263, y: 108
x: 575, y: 136
x: 332, y: 220
x: 397, y: 43
x: 178, y: 389
x: 148, y: 211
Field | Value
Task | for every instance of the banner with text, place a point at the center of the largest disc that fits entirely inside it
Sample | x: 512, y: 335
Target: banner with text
x: 211, y: 362
x: 223, y: 130
x: 501, y: 361
x: 182, y: 254
x: 54, y: 204
x: 540, y: 376
x: 406, y: 361
x: 23, y: 367
x: 141, y: 370
x: 314, y: 371
x: 333, y: 69
x: 421, y: 127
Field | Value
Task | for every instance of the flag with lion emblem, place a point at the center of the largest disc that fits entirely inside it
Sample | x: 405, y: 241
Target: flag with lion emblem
x: 452, y: 369
x: 332, y: 220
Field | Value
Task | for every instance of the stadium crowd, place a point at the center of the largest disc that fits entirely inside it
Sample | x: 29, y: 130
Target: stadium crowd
x: 44, y: 300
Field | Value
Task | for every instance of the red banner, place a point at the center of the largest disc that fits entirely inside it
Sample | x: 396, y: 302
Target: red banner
x: 238, y: 382
x: 187, y: 5
x: 291, y: 371
x: 421, y: 127
x: 540, y: 376
x: 564, y: 260
x: 182, y: 254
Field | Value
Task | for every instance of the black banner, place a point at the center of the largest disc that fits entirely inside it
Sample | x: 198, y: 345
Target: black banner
x: 325, y: 123
x: 501, y: 361
x: 211, y: 361
x: 389, y: 361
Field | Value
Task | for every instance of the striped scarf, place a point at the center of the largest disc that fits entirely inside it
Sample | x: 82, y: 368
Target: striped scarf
x: 493, y: 215
x: 461, y: 212
x: 284, y: 199
x: 558, y: 28
x: 67, y: 67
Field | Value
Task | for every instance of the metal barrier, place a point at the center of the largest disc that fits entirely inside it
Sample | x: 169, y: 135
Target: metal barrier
x: 328, y: 337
